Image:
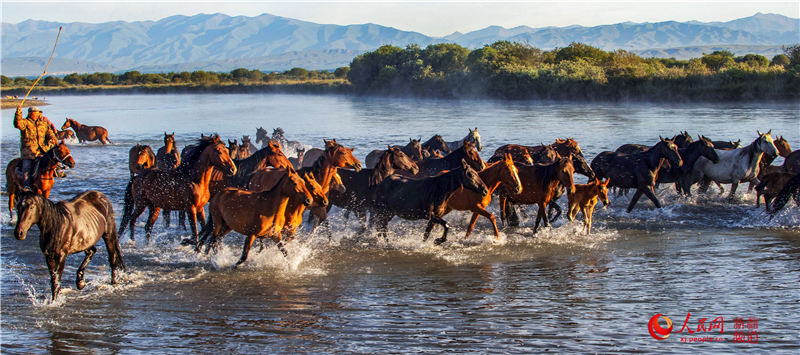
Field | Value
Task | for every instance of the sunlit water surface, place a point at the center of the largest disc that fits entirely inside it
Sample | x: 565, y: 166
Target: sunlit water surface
x: 558, y: 290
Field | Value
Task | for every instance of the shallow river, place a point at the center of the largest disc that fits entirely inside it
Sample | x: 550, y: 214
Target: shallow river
x: 558, y: 290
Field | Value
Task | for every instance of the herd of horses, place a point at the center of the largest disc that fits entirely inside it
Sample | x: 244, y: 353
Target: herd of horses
x: 261, y: 193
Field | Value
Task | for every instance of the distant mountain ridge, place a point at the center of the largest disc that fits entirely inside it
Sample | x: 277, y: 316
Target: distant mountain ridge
x: 220, y: 42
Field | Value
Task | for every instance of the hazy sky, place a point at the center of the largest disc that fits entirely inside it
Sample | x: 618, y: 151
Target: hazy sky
x: 430, y: 18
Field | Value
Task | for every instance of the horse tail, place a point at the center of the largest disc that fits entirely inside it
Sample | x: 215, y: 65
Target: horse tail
x: 792, y: 188
x: 112, y: 241
x: 128, y: 209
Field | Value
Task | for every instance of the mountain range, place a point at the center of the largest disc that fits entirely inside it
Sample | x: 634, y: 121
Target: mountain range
x: 218, y: 42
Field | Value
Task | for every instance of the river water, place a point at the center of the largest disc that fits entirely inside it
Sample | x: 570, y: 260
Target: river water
x: 558, y: 290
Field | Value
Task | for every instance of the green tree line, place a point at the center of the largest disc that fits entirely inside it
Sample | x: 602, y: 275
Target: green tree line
x: 199, y: 77
x: 517, y: 71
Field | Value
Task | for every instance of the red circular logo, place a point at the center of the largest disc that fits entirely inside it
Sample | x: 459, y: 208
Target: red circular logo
x: 655, y: 328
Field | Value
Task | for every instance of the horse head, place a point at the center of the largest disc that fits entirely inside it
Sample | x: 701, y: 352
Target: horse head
x: 683, y: 139
x: 765, y: 144
x: 317, y: 193
x: 565, y: 170
x: 784, y: 149
x: 707, y: 149
x: 510, y: 175
x: 399, y: 160
x: 67, y: 124
x: 141, y: 155
x: 475, y: 138
x: 472, y: 157
x: 245, y: 140
x: 219, y: 157
x: 62, y: 155
x: 29, y: 212
x: 337, y: 184
x: 296, y: 188
x: 416, y: 148
x: 342, y: 157
x: 471, y: 180
x: 669, y: 150
x: 261, y: 135
x: 277, y: 133
x: 602, y: 190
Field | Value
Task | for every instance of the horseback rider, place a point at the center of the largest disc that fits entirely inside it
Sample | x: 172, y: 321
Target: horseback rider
x: 37, y: 137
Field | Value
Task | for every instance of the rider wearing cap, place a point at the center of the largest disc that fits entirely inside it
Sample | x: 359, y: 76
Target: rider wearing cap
x: 37, y: 137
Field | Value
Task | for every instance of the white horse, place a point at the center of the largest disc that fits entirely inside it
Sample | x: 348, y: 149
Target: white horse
x: 473, y: 137
x: 734, y: 165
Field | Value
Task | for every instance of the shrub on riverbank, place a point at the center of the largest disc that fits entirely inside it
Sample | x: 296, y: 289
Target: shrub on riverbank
x: 511, y: 70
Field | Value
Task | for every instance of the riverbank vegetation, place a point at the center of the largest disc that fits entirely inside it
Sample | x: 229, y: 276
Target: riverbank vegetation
x: 505, y: 70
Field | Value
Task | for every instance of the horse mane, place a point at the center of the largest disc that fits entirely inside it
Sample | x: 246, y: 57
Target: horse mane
x: 193, y: 154
x: 51, y: 215
x: 381, y: 169
x: 251, y: 163
x: 316, y: 167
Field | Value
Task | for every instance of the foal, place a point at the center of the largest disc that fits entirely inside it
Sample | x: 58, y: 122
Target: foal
x: 585, y: 198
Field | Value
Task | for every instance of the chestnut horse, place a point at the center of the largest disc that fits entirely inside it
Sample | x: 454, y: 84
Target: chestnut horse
x: 313, y: 154
x: 540, y: 184
x: 425, y: 198
x: 359, y: 184
x: 501, y: 172
x: 585, y: 198
x: 87, y: 133
x: 254, y: 214
x: 181, y: 189
x: 518, y: 153
x: 413, y: 149
x: 41, y: 179
x: 140, y: 157
x: 65, y: 134
x: 637, y: 170
x: 70, y: 227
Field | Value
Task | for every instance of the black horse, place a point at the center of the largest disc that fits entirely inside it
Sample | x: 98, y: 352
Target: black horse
x: 69, y: 227
x: 425, y: 198
x: 637, y: 170
x: 358, y: 184
x: 432, y: 145
x: 690, y: 154
x: 466, y: 152
x: 790, y: 190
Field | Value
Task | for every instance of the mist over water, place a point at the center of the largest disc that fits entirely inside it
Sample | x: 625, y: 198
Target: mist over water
x: 558, y: 290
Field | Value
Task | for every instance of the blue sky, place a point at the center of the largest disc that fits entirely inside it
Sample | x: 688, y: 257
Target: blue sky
x: 430, y: 18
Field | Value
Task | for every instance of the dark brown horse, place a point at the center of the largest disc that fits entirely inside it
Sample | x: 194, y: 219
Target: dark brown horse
x: 413, y: 149
x: 87, y: 133
x: 466, y: 152
x: 41, y: 179
x: 770, y: 186
x: 167, y: 156
x: 233, y: 149
x: 637, y: 170
x: 65, y: 134
x: 271, y: 155
x: 540, y: 184
x: 498, y: 173
x: 518, y: 152
x: 700, y: 148
x: 70, y: 227
x: 727, y: 145
x: 246, y: 148
x: 426, y: 198
x: 183, y: 189
x: 358, y: 184
x: 433, y: 145
x: 791, y: 189
x: 140, y: 157
x: 254, y: 214
x: 297, y: 162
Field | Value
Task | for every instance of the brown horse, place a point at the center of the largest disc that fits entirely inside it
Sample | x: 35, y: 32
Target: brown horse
x: 183, y: 189
x: 65, y: 134
x: 70, y: 227
x: 140, y: 157
x: 502, y: 172
x: 245, y: 149
x: 426, y: 198
x: 435, y: 145
x: 769, y: 187
x: 87, y: 133
x: 585, y: 198
x: 297, y: 162
x: 315, y: 153
x: 540, y: 184
x: 233, y: 149
x: 518, y: 153
x: 167, y: 156
x: 413, y: 149
x: 254, y: 214
x: 42, y: 177
x: 466, y: 152
x: 359, y: 184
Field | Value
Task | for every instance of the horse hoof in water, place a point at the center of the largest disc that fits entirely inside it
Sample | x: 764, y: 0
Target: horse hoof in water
x: 187, y: 241
x: 439, y: 241
x: 81, y: 284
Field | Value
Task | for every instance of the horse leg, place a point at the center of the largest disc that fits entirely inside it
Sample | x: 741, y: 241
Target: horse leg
x: 546, y: 220
x: 201, y: 217
x: 167, y: 218
x: 428, y: 230
x: 443, y: 238
x: 79, y: 282
x: 151, y: 220
x: 472, y: 221
x: 511, y: 215
x: 134, y: 216
x: 539, y: 215
x: 182, y: 219
x: 634, y: 199
x: 247, y: 244
x: 56, y: 265
x: 192, y: 213
x: 732, y: 194
x: 554, y: 206
x: 648, y: 191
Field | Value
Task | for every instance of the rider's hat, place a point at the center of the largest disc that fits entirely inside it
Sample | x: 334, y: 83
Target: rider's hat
x: 33, y: 109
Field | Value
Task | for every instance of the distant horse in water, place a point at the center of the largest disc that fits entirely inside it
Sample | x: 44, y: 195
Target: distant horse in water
x: 65, y: 134
x: 585, y: 198
x: 233, y: 149
x: 167, y: 156
x: 41, y: 179
x: 518, y: 152
x: 140, y: 157
x: 246, y: 148
x: 413, y: 149
x: 472, y: 137
x: 466, y: 152
x: 279, y: 135
x: 433, y: 145
x: 87, y: 133
x: 70, y: 227
x: 637, y: 170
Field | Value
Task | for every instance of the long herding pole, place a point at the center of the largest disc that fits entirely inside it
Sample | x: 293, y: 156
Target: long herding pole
x: 45, y: 70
